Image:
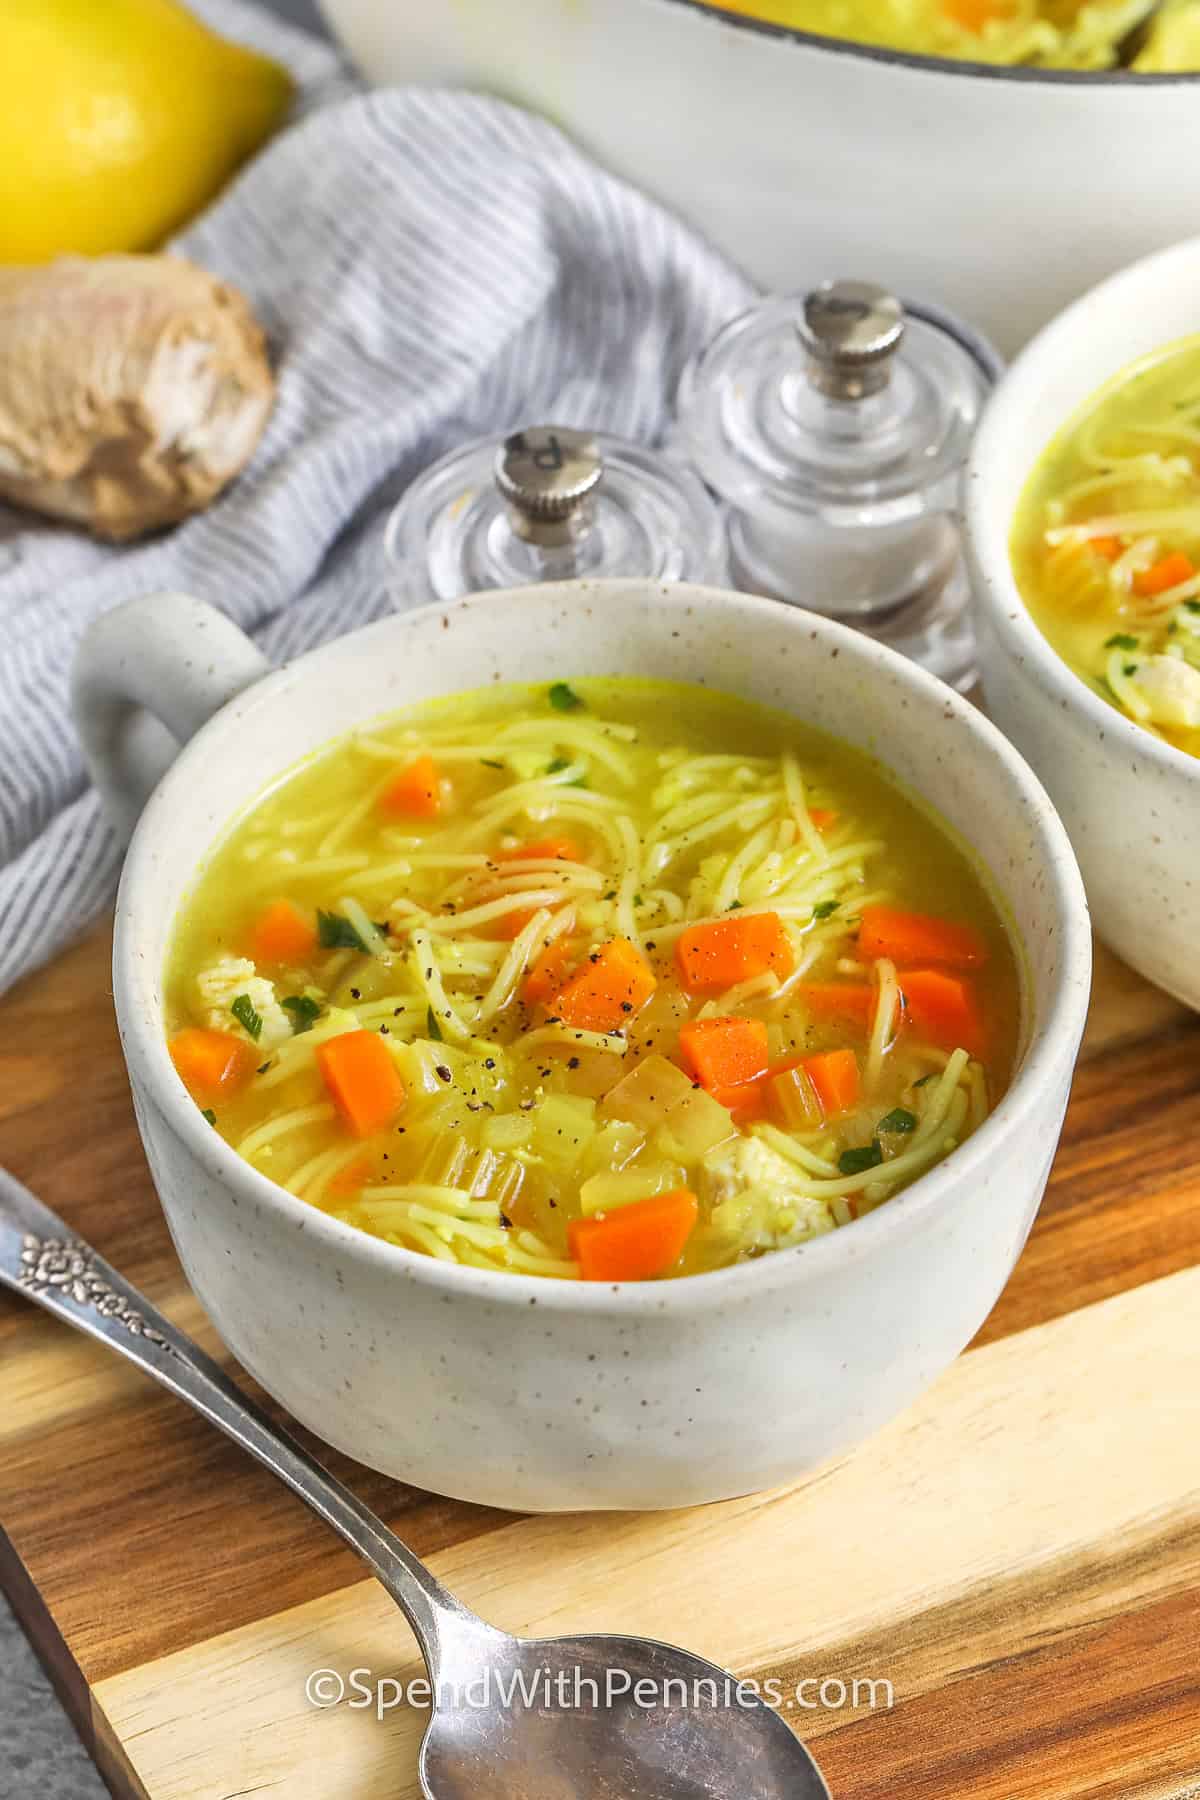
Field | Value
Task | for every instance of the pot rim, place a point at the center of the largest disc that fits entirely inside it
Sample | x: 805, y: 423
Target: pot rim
x: 941, y: 65
x: 988, y: 535
x: 1053, y: 1041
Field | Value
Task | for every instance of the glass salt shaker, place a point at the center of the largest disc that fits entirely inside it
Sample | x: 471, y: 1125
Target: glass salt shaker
x: 551, y: 504
x: 834, y: 425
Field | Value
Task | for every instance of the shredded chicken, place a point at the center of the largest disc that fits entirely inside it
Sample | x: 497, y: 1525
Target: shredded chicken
x: 219, y: 986
x: 1171, y: 689
x: 758, y: 1197
x: 132, y: 390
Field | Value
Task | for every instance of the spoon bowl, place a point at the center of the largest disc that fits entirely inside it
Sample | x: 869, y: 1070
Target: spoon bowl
x: 613, y: 1718
x: 571, y: 1718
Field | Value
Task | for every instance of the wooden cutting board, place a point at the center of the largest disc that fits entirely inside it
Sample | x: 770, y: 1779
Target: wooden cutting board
x: 1018, y: 1556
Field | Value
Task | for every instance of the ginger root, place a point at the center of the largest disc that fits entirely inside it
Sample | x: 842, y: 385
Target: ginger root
x: 132, y: 390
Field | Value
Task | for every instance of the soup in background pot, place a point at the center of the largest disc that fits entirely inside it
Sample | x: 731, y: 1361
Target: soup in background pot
x: 610, y: 980
x: 1106, y: 544
x: 1038, y: 33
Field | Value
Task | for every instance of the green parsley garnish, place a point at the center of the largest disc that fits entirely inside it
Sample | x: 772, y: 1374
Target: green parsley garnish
x: 899, y: 1119
x: 336, y: 933
x: 1121, y: 640
x: 611, y: 894
x: 563, y: 698
x: 823, y: 908
x: 734, y: 906
x: 243, y: 1011
x: 489, y: 764
x: 305, y: 1012
x: 1192, y: 605
x: 209, y: 1114
x: 432, y: 1028
x: 638, y: 901
x: 866, y: 1156
x: 559, y: 763
x: 1129, y: 668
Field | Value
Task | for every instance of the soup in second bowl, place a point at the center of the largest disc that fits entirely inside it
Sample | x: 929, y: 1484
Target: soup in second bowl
x: 1106, y: 543
x: 1051, y: 34
x: 609, y: 980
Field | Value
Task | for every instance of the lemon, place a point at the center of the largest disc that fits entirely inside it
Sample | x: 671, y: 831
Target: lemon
x: 119, y: 119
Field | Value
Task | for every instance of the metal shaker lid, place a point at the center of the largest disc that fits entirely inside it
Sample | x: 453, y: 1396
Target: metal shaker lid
x: 547, y: 475
x: 827, y: 402
x: 549, y: 503
x: 850, y: 331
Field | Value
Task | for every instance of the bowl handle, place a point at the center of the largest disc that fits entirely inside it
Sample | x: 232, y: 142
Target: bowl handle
x: 147, y: 676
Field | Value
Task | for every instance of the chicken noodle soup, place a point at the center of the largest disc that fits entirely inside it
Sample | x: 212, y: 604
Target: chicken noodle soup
x: 1106, y: 543
x: 1052, y: 34
x: 608, y: 980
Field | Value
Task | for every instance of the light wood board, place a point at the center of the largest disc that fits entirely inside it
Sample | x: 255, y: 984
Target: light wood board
x: 1018, y: 1556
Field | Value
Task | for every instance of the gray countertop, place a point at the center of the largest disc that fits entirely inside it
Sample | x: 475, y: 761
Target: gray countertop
x: 40, y: 1756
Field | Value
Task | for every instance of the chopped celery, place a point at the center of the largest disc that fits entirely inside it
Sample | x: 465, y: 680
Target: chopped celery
x: 446, y: 1159
x: 694, y: 1126
x: 432, y: 1068
x: 661, y: 1098
x: 647, y: 1094
x: 602, y: 1193
x: 563, y: 1124
x: 616, y: 1144
x: 794, y: 1099
x: 657, y: 1025
x: 506, y: 1131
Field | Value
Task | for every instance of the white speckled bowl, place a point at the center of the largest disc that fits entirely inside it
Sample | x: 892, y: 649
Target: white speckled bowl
x: 1130, y: 802
x: 545, y: 1394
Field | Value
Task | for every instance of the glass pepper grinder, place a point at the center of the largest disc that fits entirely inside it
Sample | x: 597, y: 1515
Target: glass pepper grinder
x: 550, y: 504
x: 834, y: 425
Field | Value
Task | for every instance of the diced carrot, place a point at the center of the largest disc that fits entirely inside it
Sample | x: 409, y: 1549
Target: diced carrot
x: 834, y: 1075
x: 511, y: 924
x: 555, y: 849
x: 851, y: 1002
x: 354, y: 1176
x: 910, y: 938
x: 717, y: 956
x: 943, y: 1009
x: 746, y: 1102
x: 1107, y: 547
x: 973, y: 15
x: 635, y: 1242
x: 363, y: 1081
x: 211, y: 1062
x: 613, y: 983
x: 414, y: 792
x: 1166, y: 573
x: 548, y: 973
x: 822, y: 817
x: 724, y: 1053
x: 283, y: 934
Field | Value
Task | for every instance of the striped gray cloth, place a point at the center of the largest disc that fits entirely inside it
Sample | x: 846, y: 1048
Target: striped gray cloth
x: 429, y: 266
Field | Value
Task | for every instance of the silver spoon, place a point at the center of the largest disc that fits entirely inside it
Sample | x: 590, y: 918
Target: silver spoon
x: 539, y: 1735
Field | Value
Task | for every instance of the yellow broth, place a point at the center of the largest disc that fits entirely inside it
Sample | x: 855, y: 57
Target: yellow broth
x: 529, y: 1125
x: 1042, y: 33
x: 1106, y: 543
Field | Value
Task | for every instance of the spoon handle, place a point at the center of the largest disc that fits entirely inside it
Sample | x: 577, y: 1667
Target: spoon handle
x: 44, y: 1260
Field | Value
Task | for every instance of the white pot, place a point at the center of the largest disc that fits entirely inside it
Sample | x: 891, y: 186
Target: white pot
x: 543, y: 1394
x: 1130, y: 802
x: 1001, y: 194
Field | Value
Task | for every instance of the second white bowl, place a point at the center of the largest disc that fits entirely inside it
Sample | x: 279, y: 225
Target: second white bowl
x: 1130, y: 802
